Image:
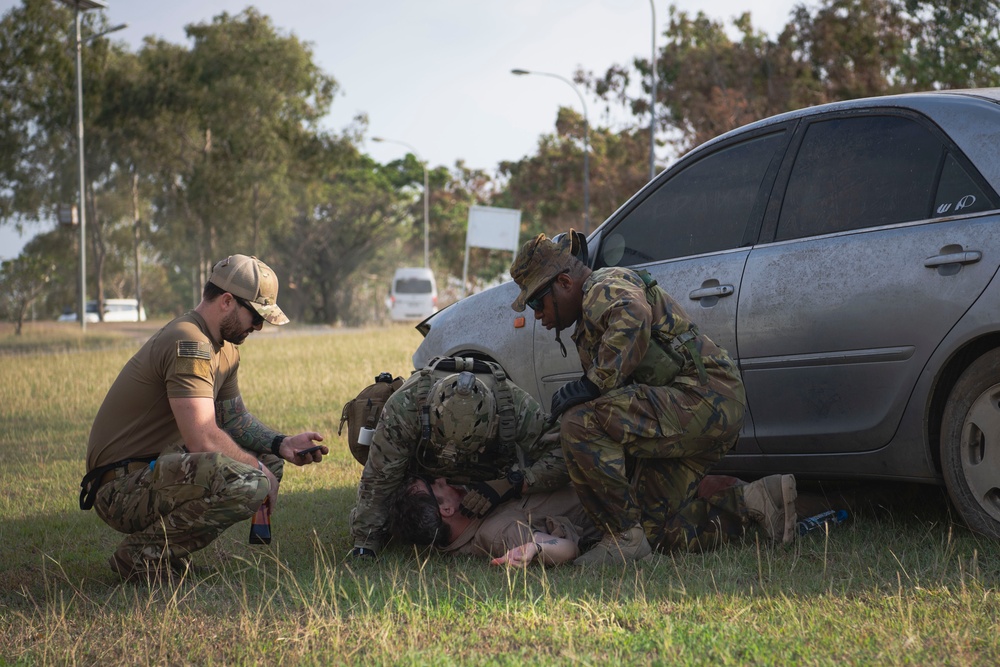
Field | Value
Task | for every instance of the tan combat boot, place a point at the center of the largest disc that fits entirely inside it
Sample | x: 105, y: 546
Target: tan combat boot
x: 618, y: 548
x: 771, y: 503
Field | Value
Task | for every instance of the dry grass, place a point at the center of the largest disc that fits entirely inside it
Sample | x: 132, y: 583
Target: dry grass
x: 899, y: 584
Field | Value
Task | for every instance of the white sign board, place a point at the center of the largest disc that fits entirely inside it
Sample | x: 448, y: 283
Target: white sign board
x: 493, y: 228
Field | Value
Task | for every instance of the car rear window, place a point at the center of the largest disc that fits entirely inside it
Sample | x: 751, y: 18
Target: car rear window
x: 867, y: 171
x: 413, y: 286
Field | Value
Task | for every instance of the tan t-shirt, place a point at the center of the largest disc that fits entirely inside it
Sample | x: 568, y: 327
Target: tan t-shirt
x: 180, y: 361
x: 513, y: 523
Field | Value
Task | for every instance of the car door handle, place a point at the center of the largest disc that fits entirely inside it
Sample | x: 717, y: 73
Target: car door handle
x: 705, y: 292
x: 967, y: 257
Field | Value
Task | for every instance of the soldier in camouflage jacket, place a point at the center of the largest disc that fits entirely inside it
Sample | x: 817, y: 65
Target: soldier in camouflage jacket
x: 658, y: 405
x: 461, y: 442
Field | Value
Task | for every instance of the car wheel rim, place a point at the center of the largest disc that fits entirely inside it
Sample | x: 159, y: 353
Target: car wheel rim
x: 980, y: 450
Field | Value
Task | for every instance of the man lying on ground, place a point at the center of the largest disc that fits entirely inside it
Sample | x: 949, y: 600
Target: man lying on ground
x: 549, y: 526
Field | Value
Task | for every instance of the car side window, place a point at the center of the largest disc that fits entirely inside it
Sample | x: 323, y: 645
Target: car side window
x: 857, y: 172
x: 703, y: 208
x: 957, y: 192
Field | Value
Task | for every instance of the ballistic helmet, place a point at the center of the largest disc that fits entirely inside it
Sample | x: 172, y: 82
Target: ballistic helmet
x: 463, y: 413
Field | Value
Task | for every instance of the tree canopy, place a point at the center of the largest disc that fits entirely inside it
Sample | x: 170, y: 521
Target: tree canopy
x: 217, y: 146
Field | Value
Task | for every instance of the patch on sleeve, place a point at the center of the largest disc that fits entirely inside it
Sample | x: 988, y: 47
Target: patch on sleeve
x: 193, y: 358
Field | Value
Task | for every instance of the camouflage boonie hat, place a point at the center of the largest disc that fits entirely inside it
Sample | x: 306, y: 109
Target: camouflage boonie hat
x: 251, y: 280
x: 539, y: 261
x: 462, y: 411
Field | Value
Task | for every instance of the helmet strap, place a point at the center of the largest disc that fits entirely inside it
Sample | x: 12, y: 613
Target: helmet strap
x: 555, y: 311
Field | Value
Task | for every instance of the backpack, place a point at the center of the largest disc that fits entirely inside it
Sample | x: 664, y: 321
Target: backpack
x: 365, y: 409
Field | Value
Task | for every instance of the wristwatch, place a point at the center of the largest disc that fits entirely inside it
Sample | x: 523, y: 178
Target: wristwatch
x: 516, y: 479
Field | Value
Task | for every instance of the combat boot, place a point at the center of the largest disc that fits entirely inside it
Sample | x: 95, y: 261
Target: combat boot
x: 771, y: 503
x: 147, y: 573
x: 618, y: 549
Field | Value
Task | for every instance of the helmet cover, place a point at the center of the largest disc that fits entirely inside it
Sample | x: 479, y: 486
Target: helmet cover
x: 462, y: 412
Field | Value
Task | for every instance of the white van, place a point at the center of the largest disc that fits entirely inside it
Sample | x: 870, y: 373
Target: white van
x: 115, y: 310
x: 413, y: 295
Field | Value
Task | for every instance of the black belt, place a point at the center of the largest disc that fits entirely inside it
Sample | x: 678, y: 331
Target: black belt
x: 92, y: 480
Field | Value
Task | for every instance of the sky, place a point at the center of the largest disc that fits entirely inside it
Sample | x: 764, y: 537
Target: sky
x: 435, y: 74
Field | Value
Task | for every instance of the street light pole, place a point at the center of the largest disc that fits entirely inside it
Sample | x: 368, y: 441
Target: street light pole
x: 427, y: 204
x: 586, y: 142
x: 79, y: 145
x: 82, y: 6
x: 652, y: 99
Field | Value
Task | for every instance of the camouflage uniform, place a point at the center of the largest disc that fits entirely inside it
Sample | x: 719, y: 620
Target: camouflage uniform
x: 394, y: 456
x: 665, y: 438
x: 182, y: 504
x: 665, y: 413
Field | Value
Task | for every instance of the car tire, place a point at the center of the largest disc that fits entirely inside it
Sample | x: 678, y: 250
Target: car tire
x: 970, y: 445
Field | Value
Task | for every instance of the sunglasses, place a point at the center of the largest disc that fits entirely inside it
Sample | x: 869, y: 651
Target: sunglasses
x: 258, y: 319
x: 535, y: 302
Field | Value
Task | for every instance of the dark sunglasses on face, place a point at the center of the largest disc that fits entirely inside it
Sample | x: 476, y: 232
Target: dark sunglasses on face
x: 258, y: 319
x: 535, y: 302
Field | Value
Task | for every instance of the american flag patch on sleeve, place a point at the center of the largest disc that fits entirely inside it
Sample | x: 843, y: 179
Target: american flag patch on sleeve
x: 192, y: 349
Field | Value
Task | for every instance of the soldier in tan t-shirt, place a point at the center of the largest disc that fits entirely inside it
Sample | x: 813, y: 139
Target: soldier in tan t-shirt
x: 174, y: 457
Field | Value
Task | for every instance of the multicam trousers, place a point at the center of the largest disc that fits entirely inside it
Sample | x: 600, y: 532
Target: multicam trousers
x: 182, y: 504
x: 637, y: 455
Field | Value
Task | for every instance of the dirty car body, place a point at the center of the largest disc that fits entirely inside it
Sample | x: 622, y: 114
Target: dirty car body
x: 847, y: 256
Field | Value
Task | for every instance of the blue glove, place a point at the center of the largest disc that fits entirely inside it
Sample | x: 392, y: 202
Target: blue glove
x: 572, y: 393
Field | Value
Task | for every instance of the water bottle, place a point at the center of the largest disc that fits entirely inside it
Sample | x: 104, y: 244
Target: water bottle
x: 260, y: 528
x: 830, y: 518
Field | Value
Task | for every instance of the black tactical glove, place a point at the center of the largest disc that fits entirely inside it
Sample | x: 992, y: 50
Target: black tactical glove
x: 362, y: 552
x: 572, y: 393
x: 484, y: 496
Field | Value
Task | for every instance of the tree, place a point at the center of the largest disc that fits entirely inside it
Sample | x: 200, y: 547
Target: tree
x: 839, y: 49
x: 954, y: 44
x: 258, y: 93
x: 347, y: 215
x: 25, y: 279
x: 854, y: 48
x: 548, y: 186
x: 37, y: 111
x: 455, y: 191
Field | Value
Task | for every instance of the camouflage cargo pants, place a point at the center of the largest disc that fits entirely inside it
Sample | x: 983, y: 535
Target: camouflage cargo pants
x: 637, y: 455
x: 182, y: 504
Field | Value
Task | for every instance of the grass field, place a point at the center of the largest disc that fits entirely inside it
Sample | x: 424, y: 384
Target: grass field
x: 900, y: 583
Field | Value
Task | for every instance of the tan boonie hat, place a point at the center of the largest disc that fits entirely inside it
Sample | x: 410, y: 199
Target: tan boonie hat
x: 537, y: 263
x: 251, y: 280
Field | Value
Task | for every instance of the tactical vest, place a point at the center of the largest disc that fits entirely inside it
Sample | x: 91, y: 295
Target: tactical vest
x: 667, y: 353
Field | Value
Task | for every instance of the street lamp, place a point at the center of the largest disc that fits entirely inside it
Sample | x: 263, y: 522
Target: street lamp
x: 427, y: 206
x: 586, y: 142
x: 652, y: 99
x: 82, y: 6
